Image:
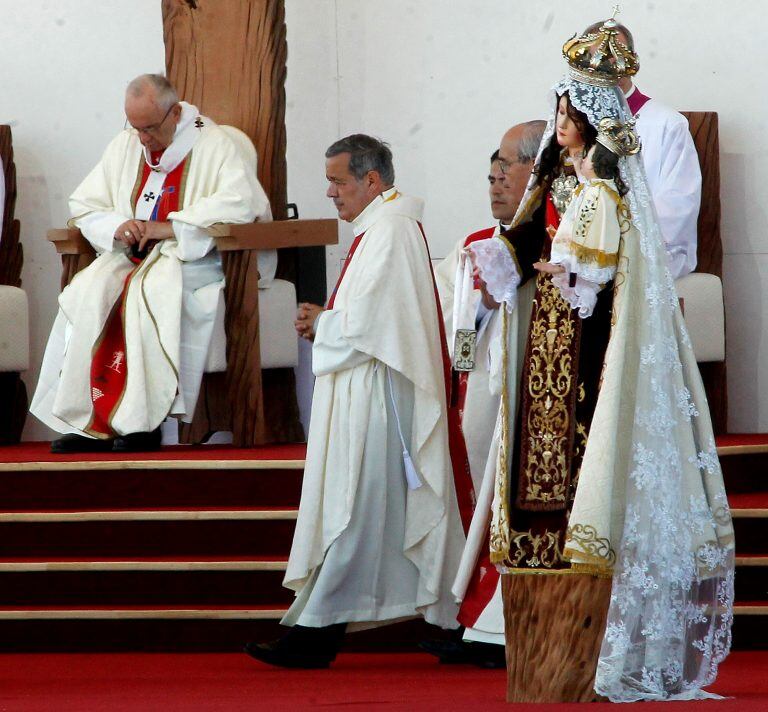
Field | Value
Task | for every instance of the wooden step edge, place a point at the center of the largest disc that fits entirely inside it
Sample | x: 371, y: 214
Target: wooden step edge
x: 751, y: 560
x: 755, y: 513
x: 138, y: 565
x: 128, y: 515
x: 750, y: 610
x: 152, y: 465
x: 756, y: 449
x: 145, y: 614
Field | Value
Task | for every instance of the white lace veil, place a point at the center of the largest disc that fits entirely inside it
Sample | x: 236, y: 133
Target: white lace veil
x: 671, y: 609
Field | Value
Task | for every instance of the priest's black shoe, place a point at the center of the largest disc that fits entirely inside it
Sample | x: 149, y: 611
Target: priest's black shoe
x: 78, y: 443
x: 301, y: 647
x: 273, y: 654
x: 448, y: 652
x: 460, y: 652
x: 138, y: 442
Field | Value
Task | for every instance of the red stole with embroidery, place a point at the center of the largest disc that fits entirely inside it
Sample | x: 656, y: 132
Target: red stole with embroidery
x: 109, y: 365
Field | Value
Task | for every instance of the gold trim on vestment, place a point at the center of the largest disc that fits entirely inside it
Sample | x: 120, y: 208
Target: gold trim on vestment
x: 594, y: 548
x: 549, y: 393
x: 583, y: 570
x: 137, y: 186
x: 183, y: 180
x: 593, y: 256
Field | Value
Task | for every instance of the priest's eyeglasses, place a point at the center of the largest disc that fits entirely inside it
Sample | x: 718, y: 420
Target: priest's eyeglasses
x: 153, y: 128
x: 505, y: 165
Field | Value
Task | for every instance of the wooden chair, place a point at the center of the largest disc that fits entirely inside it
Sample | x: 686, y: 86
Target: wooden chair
x: 234, y: 400
x: 704, y: 129
x: 14, y: 317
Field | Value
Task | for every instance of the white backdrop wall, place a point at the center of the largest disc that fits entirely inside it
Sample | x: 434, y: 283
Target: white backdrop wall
x: 439, y: 80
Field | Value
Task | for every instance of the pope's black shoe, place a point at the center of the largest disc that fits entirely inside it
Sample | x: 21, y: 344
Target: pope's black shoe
x: 77, y: 443
x: 138, y: 442
x: 301, y: 647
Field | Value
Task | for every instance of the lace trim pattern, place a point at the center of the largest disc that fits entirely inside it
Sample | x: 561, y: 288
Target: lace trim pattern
x: 498, y: 266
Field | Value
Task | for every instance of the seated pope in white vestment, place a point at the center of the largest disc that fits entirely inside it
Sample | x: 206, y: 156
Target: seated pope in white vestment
x: 131, y: 338
x: 379, y: 531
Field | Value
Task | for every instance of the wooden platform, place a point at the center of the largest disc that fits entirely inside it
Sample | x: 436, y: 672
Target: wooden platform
x: 186, y: 549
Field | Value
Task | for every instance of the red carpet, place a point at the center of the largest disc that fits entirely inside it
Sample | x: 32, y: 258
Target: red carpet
x: 87, y: 683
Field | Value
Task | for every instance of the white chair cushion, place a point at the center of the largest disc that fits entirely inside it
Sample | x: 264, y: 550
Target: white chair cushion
x: 704, y: 312
x: 14, y: 329
x: 277, y: 312
x: 279, y: 343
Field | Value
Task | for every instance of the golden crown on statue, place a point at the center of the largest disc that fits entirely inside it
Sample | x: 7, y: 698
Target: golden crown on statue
x: 618, y: 138
x: 600, y: 58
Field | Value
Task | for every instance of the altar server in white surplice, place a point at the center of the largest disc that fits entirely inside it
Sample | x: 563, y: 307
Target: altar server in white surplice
x: 671, y: 167
x: 379, y: 532
x: 131, y: 338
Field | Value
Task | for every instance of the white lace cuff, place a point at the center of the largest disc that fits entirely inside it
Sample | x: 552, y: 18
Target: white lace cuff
x: 589, y: 280
x: 498, y: 269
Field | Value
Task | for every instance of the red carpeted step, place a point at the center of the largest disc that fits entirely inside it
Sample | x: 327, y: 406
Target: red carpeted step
x: 740, y: 501
x: 244, y: 583
x: 745, y: 472
x: 750, y: 535
x: 149, y: 489
x: 95, y: 539
x: 738, y: 442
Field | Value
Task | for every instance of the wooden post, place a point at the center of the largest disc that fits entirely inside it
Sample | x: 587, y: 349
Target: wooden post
x: 704, y: 128
x: 13, y: 403
x: 228, y: 59
x: 554, y: 627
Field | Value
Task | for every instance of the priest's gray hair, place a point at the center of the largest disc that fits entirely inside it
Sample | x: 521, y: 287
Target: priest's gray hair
x: 528, y: 146
x: 165, y: 95
x: 366, y: 153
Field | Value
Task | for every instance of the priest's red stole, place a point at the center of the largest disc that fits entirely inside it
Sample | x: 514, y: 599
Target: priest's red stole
x: 109, y: 364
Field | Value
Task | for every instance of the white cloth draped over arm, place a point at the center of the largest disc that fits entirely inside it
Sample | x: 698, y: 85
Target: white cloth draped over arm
x: 674, y: 177
x: 498, y: 269
x: 331, y: 352
x: 95, y: 206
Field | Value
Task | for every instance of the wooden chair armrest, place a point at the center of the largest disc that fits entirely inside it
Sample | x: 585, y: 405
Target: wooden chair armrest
x: 252, y: 236
x: 70, y: 241
x: 273, y: 235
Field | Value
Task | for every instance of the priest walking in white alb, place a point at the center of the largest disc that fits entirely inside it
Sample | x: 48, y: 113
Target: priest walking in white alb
x: 131, y: 339
x: 671, y: 167
x: 379, y: 532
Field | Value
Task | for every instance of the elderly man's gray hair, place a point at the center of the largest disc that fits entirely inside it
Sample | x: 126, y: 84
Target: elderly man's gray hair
x: 366, y: 153
x: 164, y: 94
x: 528, y: 146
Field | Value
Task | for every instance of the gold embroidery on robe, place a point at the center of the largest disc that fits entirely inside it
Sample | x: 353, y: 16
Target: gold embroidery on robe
x: 549, y: 397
